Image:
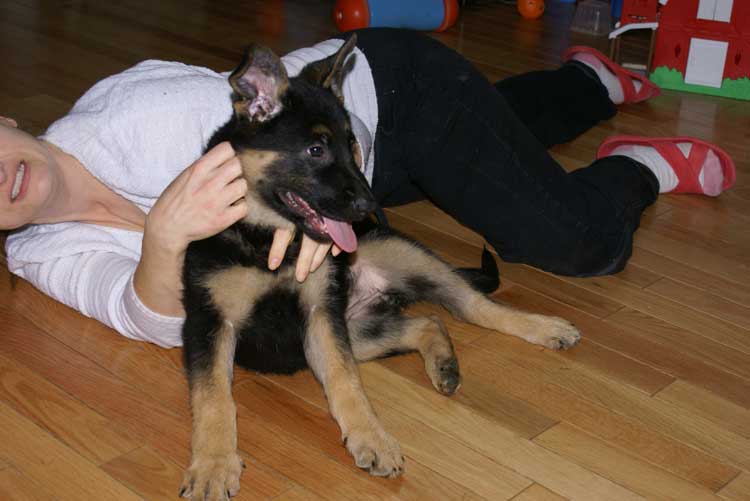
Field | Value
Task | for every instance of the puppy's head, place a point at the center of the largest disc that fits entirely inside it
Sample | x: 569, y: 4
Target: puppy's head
x: 296, y: 144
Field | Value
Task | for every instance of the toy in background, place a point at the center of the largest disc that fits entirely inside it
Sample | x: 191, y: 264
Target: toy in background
x: 704, y: 46
x: 697, y: 45
x: 430, y: 15
x: 531, y: 9
x: 634, y: 15
x: 593, y: 17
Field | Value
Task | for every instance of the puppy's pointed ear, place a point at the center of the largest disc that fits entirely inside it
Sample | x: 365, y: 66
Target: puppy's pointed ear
x: 259, y: 82
x: 329, y: 72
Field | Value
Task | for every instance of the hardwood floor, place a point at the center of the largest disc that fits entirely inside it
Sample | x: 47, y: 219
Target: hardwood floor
x: 653, y: 403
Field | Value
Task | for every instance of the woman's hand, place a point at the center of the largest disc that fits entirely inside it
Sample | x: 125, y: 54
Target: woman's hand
x: 311, y: 254
x: 203, y: 200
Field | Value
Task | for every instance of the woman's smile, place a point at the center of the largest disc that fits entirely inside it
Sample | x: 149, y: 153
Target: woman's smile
x: 21, y: 182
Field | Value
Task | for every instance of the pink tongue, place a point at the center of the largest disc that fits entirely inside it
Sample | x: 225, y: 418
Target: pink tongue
x: 341, y: 234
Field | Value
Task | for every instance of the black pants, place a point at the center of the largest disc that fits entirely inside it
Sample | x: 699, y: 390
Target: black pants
x: 479, y: 152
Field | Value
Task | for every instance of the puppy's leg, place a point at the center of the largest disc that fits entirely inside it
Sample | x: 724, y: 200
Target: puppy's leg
x: 373, y: 338
x: 553, y: 332
x: 332, y: 362
x: 215, y: 467
x: 413, y: 273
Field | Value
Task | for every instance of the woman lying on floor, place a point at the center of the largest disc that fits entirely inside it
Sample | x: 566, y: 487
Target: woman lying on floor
x: 105, y: 206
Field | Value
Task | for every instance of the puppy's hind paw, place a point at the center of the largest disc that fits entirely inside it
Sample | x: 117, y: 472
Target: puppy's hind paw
x: 559, y: 334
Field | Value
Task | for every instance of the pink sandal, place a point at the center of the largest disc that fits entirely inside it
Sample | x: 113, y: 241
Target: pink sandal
x: 626, y: 77
x: 688, y: 168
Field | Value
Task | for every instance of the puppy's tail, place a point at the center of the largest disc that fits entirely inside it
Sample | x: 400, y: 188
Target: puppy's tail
x: 485, y: 279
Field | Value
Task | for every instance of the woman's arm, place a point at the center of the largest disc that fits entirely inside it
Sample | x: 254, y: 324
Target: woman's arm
x: 203, y: 200
x: 99, y: 284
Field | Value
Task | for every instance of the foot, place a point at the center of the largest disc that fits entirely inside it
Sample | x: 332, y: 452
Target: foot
x: 212, y: 478
x: 376, y: 451
x: 444, y: 374
x: 623, y: 86
x: 681, y: 165
x: 551, y: 332
x: 606, y: 77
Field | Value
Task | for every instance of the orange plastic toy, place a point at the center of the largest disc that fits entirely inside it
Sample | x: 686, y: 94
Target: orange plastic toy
x: 531, y: 9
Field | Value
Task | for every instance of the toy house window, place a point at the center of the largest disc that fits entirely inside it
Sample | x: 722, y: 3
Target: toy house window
x: 715, y: 10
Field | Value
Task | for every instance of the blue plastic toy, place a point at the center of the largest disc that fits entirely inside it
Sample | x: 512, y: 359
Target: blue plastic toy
x: 430, y: 15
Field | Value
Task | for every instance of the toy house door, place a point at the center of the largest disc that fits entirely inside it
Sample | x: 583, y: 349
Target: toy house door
x: 706, y: 62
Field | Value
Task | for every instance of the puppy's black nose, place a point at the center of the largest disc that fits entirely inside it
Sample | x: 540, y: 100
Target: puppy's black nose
x: 363, y: 205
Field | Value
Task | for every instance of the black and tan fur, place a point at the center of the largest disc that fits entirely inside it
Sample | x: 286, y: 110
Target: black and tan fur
x: 293, y: 136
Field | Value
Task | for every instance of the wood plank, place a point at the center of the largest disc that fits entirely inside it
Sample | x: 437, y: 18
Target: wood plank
x: 298, y: 494
x: 70, y: 421
x: 591, y: 354
x: 706, y: 302
x: 687, y: 344
x: 136, y: 413
x: 512, y: 413
x: 154, y: 477
x: 617, y: 465
x: 315, y: 427
x: 668, y: 350
x: 659, y: 416
x: 720, y: 226
x: 49, y: 462
x: 683, y: 248
x: 669, y: 311
x: 426, y: 446
x: 18, y: 487
x: 695, y: 277
x: 708, y: 405
x: 738, y: 489
x: 146, y: 473
x: 485, y: 436
x: 538, y: 493
x: 548, y: 391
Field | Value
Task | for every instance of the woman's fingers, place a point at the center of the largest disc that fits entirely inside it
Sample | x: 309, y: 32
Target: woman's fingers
x: 216, y: 156
x: 320, y: 254
x: 236, y: 212
x: 232, y: 192
x: 281, y: 239
x: 305, y: 258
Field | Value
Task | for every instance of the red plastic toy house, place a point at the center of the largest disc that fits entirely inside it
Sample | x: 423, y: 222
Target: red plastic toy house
x: 704, y: 46
x: 638, y: 11
x: 635, y: 15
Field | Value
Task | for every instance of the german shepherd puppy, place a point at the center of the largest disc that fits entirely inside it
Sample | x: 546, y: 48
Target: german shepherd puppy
x: 302, y: 165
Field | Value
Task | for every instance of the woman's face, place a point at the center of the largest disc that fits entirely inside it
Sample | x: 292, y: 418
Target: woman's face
x: 26, y: 176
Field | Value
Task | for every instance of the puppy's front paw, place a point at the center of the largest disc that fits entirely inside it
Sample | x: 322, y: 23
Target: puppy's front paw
x: 556, y: 333
x: 376, y: 451
x: 445, y: 375
x: 212, y: 478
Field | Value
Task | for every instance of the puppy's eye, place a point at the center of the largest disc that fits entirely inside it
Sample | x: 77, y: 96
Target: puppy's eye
x: 315, y: 151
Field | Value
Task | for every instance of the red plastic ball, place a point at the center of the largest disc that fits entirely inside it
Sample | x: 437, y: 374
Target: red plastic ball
x: 531, y: 9
x: 351, y: 14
